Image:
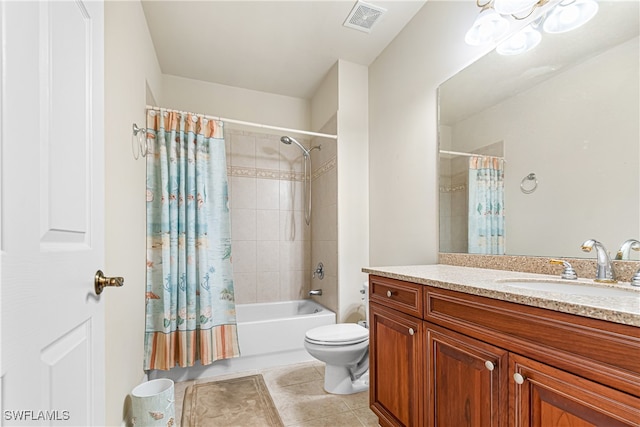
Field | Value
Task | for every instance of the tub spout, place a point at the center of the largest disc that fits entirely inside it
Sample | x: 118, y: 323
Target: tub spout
x: 316, y: 292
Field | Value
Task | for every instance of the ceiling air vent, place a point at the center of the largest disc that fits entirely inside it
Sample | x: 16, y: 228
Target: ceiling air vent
x: 363, y: 16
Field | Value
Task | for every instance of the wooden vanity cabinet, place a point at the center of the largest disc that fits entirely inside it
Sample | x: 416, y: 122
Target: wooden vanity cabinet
x: 476, y: 361
x: 549, y: 397
x: 396, y: 352
x: 396, y: 358
x: 467, y: 381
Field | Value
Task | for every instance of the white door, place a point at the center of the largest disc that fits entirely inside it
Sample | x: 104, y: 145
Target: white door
x: 51, y: 211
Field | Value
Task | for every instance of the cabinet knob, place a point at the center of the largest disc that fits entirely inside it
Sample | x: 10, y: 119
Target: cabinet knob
x: 411, y: 331
x: 489, y: 365
x: 389, y: 293
x: 519, y: 379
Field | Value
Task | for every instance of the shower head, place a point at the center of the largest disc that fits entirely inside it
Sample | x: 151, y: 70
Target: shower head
x: 288, y: 140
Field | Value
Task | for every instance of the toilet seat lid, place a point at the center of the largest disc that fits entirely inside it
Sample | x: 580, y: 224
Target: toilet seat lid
x: 338, y: 334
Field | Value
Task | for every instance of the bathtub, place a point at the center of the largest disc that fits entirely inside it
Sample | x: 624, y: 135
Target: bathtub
x: 269, y: 335
x: 278, y: 327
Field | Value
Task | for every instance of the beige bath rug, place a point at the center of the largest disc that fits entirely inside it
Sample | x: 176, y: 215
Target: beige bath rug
x: 237, y: 402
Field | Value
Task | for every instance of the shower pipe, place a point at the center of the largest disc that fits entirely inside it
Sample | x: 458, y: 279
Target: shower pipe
x: 307, y: 174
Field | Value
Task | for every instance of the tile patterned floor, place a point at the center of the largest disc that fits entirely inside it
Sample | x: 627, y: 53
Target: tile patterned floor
x: 300, y: 398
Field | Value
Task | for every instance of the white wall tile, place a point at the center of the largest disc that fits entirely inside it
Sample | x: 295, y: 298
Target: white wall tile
x: 243, y: 150
x: 268, y: 256
x: 244, y: 287
x: 293, y: 226
x: 294, y: 285
x: 291, y: 195
x: 294, y: 255
x: 243, y: 255
x: 327, y: 253
x: 268, y: 223
x: 325, y: 223
x: 243, y: 193
x: 271, y: 241
x: 268, y: 152
x: 243, y: 224
x: 291, y: 158
x: 268, y: 194
x: 268, y: 287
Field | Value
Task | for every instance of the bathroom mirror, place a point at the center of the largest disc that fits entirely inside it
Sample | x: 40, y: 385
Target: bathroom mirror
x: 568, y: 112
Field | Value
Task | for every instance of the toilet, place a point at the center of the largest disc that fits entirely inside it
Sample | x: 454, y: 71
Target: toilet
x: 344, y: 347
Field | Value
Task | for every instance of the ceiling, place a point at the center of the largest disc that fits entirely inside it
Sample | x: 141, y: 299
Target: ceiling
x: 282, y: 47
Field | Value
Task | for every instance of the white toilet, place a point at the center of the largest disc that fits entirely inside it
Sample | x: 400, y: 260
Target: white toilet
x: 344, y: 347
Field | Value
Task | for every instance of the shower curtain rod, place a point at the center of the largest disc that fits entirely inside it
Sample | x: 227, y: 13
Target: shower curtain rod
x: 252, y: 124
x: 460, y: 153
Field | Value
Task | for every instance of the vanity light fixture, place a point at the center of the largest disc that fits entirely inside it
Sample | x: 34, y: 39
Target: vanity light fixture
x: 488, y: 27
x: 515, y: 7
x: 496, y: 16
x: 569, y: 15
x: 521, y: 42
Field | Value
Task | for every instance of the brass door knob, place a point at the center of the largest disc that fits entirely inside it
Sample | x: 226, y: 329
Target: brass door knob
x: 100, y: 281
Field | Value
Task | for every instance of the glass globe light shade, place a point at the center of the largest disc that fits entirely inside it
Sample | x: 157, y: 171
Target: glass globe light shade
x: 513, y: 7
x: 521, y: 42
x: 488, y: 27
x: 568, y: 16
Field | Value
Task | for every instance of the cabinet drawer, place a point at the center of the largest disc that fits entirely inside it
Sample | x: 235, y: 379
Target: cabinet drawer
x: 402, y: 296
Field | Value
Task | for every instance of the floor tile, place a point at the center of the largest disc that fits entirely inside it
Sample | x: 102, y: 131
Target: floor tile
x: 298, y: 393
x: 345, y: 419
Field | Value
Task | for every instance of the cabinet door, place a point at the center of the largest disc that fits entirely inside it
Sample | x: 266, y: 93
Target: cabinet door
x: 467, y: 381
x: 396, y: 360
x: 543, y: 396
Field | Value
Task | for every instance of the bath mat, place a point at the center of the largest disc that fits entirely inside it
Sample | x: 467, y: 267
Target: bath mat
x: 237, y: 402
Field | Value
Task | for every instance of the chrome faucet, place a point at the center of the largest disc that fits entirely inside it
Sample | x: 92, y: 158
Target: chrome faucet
x: 568, y: 272
x: 316, y: 292
x: 635, y: 280
x: 625, y: 249
x: 604, y: 269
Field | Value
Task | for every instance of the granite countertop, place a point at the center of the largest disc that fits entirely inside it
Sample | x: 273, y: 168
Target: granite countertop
x: 487, y: 283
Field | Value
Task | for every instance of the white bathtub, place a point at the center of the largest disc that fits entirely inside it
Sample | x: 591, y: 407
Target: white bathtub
x: 276, y: 327
x: 269, y: 334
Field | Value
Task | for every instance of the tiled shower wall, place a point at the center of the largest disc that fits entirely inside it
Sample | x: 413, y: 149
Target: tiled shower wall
x: 271, y: 243
x: 324, y: 220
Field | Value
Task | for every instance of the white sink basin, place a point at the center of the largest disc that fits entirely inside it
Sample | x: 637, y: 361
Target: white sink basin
x: 566, y: 287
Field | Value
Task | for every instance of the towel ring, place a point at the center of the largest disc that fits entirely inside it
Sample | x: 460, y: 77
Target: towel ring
x: 530, y: 177
x: 139, y: 142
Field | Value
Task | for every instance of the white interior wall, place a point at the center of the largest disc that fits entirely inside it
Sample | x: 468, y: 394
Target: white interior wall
x: 403, y: 134
x: 324, y: 102
x: 235, y: 103
x: 353, y: 185
x: 130, y: 67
